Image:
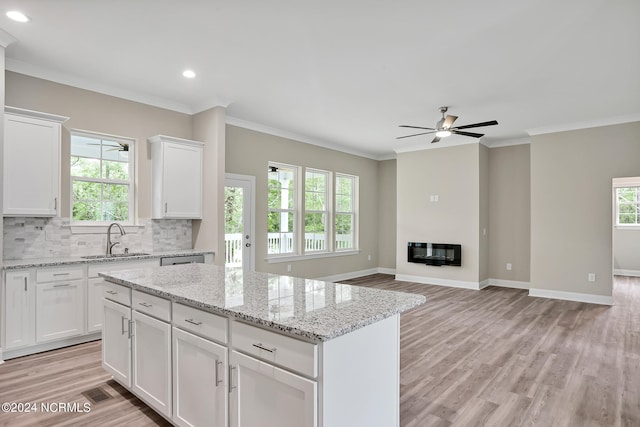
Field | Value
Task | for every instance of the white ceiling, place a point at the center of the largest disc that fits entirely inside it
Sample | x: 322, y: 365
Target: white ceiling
x: 346, y: 73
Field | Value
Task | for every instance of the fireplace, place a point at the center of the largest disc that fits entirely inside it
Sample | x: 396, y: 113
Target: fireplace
x: 437, y: 254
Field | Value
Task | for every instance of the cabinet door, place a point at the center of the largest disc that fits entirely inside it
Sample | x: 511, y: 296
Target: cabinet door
x: 116, y: 342
x: 59, y: 310
x: 199, y: 381
x: 31, y: 166
x: 151, y: 351
x: 95, y: 313
x: 18, y: 310
x: 182, y: 181
x: 263, y: 395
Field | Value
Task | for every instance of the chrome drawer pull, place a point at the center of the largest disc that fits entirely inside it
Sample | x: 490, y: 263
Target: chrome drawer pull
x: 218, y: 381
x: 261, y: 347
x: 193, y: 322
x: 123, y: 319
x: 231, y: 386
x: 63, y: 285
x: 61, y: 274
x: 144, y: 304
x: 110, y: 292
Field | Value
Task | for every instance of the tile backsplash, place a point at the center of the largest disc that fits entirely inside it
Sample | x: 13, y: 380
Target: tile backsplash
x: 28, y: 238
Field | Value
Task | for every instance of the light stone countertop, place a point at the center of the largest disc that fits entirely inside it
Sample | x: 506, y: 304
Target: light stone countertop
x: 309, y: 309
x: 15, y: 264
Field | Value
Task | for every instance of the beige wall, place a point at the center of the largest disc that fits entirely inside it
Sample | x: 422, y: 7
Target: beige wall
x: 96, y: 112
x: 248, y: 152
x: 453, y: 174
x: 483, y: 210
x: 626, y: 250
x: 510, y: 213
x: 208, y: 233
x: 387, y: 214
x: 571, y: 217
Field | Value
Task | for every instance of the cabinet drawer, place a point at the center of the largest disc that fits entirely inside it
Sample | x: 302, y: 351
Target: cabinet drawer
x: 58, y: 274
x: 117, y: 293
x: 205, y: 324
x: 152, y: 305
x: 288, y: 352
x: 126, y: 265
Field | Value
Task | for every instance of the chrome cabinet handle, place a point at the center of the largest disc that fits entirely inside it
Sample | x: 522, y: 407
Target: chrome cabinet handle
x: 25, y: 283
x: 165, y: 207
x: 62, y: 285
x: 122, y: 323
x: 110, y: 292
x: 144, y: 304
x: 231, y: 386
x: 131, y: 324
x: 261, y: 347
x: 61, y: 274
x: 218, y: 381
x: 55, y: 203
x: 193, y: 322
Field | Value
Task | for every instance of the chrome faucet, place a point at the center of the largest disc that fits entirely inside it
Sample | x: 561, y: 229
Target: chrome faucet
x: 109, y: 244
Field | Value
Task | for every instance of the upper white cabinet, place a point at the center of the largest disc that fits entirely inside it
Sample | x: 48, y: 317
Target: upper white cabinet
x: 177, y: 177
x: 31, y: 163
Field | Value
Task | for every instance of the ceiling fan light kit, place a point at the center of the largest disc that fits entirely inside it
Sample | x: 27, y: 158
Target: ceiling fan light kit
x: 444, y: 127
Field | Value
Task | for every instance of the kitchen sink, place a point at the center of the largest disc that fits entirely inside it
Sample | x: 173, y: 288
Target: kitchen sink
x: 114, y: 255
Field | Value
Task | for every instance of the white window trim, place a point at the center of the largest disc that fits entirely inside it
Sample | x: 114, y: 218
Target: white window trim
x: 312, y: 255
x: 328, y: 229
x: 100, y: 227
x: 356, y: 205
x: 297, y: 173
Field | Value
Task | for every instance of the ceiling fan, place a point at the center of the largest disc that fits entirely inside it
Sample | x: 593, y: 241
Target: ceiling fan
x: 444, y: 129
x: 121, y: 146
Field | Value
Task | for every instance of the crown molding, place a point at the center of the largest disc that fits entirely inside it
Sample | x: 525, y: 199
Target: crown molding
x: 509, y: 142
x: 246, y: 124
x: 585, y: 124
x: 74, y: 81
x: 6, y: 39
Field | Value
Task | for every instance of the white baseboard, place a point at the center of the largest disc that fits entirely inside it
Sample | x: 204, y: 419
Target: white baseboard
x: 65, y: 342
x: 515, y: 284
x: 633, y: 273
x: 347, y: 276
x: 383, y: 270
x: 571, y: 296
x: 440, y: 282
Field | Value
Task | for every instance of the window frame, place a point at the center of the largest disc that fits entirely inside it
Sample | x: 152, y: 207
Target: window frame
x: 326, y: 212
x: 636, y: 224
x: 295, y: 247
x: 300, y: 212
x: 353, y: 212
x: 131, y: 182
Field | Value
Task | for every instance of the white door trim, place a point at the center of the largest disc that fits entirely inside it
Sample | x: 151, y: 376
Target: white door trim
x: 251, y: 180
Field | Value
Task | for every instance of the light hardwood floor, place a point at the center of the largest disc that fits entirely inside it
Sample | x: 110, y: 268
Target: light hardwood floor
x: 493, y: 357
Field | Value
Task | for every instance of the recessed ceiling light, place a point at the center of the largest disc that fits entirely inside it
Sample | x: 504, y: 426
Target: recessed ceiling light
x: 18, y: 16
x: 189, y: 74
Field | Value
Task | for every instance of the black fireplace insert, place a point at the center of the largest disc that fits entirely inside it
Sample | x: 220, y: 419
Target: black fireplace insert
x: 435, y: 253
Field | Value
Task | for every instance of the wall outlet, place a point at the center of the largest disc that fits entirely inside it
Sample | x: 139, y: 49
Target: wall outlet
x: 509, y: 266
x: 369, y: 257
x: 591, y: 277
x: 288, y: 268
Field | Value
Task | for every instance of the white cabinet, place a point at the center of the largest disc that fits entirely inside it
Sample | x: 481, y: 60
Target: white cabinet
x: 151, y: 351
x: 264, y: 395
x: 95, y: 285
x: 59, y: 310
x: 31, y: 163
x: 18, y: 310
x: 177, y: 168
x: 199, y: 380
x: 116, y: 341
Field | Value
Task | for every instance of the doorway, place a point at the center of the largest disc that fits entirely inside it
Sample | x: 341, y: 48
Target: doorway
x: 239, y: 221
x: 626, y: 226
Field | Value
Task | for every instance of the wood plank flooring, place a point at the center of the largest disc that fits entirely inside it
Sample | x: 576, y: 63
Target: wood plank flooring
x: 495, y: 357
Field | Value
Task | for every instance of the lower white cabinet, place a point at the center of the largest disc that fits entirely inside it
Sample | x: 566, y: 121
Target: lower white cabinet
x: 116, y: 341
x: 94, y: 305
x: 151, y: 356
x: 199, y: 381
x: 59, y: 310
x: 264, y: 395
x: 18, y: 310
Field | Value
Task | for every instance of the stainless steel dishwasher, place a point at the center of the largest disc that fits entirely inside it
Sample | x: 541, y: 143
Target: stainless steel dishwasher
x: 187, y: 259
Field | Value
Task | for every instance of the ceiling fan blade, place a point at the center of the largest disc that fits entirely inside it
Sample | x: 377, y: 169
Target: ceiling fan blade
x: 416, y: 134
x: 415, y: 127
x: 448, y: 121
x: 477, y: 125
x: 436, y: 139
x: 474, y: 135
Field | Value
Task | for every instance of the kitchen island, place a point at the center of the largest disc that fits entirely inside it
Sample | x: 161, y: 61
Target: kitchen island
x: 205, y: 345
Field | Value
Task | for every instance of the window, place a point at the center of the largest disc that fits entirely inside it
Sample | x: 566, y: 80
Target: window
x: 324, y: 206
x: 316, y: 210
x: 345, y: 211
x: 628, y: 206
x: 101, y: 178
x: 282, y: 214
